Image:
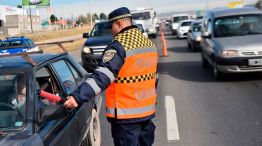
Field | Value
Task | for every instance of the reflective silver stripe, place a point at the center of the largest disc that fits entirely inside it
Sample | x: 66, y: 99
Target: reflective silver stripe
x: 107, y: 72
x: 94, y: 85
x: 140, y: 51
x: 157, y: 77
x: 129, y: 111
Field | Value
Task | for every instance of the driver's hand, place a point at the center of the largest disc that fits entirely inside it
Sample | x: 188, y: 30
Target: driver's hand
x: 70, y: 103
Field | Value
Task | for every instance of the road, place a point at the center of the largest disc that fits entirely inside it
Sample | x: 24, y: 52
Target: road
x: 206, y: 112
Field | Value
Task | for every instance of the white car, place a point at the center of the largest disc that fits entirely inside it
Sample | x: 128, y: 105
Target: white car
x: 183, y: 28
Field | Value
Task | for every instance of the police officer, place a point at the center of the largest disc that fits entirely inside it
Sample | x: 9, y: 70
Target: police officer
x: 128, y: 72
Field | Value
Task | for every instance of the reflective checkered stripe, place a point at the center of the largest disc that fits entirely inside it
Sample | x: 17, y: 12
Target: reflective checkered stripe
x: 120, y: 17
x: 133, y: 94
x: 134, y: 79
x: 133, y: 39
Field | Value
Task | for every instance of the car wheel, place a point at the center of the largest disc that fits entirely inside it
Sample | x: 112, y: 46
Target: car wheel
x: 204, y: 61
x: 217, y: 74
x: 193, y: 48
x: 94, y: 134
x: 188, y: 46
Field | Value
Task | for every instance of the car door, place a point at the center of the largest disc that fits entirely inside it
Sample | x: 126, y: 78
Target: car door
x: 207, y: 42
x: 70, y: 78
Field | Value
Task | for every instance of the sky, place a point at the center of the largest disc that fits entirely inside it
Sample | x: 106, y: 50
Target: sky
x: 72, y: 8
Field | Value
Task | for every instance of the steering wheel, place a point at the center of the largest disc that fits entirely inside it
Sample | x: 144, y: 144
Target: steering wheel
x: 5, y: 106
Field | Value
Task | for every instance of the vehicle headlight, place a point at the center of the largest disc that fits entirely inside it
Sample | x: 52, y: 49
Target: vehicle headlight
x: 86, y: 50
x: 230, y: 53
x: 198, y: 38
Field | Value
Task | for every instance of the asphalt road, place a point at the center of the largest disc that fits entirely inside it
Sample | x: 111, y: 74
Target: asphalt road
x: 208, y: 112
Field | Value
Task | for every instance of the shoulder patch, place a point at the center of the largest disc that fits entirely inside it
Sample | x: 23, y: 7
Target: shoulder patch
x: 108, y: 55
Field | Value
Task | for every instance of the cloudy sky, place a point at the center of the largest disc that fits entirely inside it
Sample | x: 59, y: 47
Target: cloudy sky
x: 69, y: 8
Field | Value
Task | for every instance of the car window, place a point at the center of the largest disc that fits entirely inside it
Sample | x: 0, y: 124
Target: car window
x: 78, y: 76
x: 196, y: 27
x: 66, y: 76
x: 101, y: 29
x: 186, y: 24
x: 12, y: 100
x: 239, y: 25
x: 31, y: 43
x: 141, y: 16
x: 209, y: 27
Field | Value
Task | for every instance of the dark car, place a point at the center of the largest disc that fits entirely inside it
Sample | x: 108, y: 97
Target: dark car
x: 194, y: 36
x: 13, y: 45
x: 95, y: 44
x: 231, y: 41
x: 28, y: 119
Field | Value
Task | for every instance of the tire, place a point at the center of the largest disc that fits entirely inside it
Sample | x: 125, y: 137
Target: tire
x: 217, y: 74
x: 193, y: 48
x: 188, y: 46
x: 204, y: 61
x: 93, y: 137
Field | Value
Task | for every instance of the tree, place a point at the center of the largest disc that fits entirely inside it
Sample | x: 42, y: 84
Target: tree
x: 95, y: 17
x: 53, y: 18
x: 102, y: 16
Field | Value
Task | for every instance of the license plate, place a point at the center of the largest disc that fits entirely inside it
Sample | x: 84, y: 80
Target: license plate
x: 255, y: 62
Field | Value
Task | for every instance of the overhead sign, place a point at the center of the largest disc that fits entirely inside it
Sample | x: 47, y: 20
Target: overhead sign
x: 236, y: 4
x: 36, y: 2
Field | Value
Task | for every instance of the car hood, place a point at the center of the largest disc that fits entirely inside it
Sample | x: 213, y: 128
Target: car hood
x: 196, y: 34
x: 11, y: 51
x: 241, y: 43
x: 99, y: 41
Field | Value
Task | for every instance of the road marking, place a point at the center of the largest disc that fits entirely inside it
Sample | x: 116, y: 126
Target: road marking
x: 171, y: 119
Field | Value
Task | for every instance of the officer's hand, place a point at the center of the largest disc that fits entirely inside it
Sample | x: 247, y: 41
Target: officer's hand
x: 70, y: 103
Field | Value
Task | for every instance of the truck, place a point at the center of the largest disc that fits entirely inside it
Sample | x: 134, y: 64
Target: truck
x: 146, y: 17
x: 176, y: 18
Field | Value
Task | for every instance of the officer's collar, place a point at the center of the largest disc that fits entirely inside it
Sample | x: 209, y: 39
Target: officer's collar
x: 127, y: 28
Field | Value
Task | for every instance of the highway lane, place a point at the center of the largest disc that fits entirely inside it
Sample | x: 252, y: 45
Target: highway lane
x: 208, y: 112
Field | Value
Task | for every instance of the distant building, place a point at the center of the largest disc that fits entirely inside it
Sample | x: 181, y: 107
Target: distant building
x: 16, y: 20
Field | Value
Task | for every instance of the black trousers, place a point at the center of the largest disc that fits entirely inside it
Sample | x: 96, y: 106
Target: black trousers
x: 133, y: 134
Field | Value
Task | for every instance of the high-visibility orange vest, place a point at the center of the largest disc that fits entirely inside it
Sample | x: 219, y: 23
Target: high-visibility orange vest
x: 133, y: 93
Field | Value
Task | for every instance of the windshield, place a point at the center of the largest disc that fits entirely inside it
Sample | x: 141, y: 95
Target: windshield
x: 196, y: 27
x: 9, y: 44
x: 101, y: 29
x: 186, y: 23
x: 177, y: 19
x: 141, y: 16
x: 12, y: 100
x: 238, y: 26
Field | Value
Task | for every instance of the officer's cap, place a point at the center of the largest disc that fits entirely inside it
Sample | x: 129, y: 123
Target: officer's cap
x: 119, y: 13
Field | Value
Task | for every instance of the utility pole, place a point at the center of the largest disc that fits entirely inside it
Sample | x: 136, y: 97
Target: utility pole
x: 90, y: 13
x: 30, y: 13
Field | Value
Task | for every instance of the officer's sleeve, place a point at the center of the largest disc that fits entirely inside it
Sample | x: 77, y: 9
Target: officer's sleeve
x: 106, y: 72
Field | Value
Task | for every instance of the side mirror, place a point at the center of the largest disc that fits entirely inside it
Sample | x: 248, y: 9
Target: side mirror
x: 189, y: 30
x: 86, y: 35
x: 53, y: 112
x: 206, y: 35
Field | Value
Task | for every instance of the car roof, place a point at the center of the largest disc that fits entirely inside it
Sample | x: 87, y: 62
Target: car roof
x: 185, y: 21
x: 13, y: 62
x: 223, y: 12
x: 177, y: 15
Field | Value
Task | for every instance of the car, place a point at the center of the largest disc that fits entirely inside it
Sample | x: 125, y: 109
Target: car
x: 183, y: 28
x: 176, y: 18
x: 231, y: 41
x: 13, y: 45
x: 141, y: 28
x: 95, y: 44
x: 194, y: 36
x: 29, y: 119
